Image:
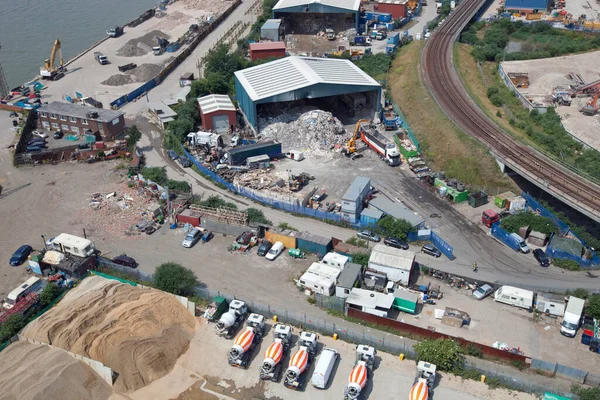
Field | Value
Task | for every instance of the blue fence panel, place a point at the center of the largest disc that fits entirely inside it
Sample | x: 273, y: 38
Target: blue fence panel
x: 414, y: 236
x: 444, y: 247
x: 585, y: 263
x: 120, y: 102
x: 141, y: 90
x: 504, y: 236
x: 538, y: 208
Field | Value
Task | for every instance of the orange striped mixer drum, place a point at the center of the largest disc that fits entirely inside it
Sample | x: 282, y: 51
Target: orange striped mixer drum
x: 274, y: 352
x: 244, y: 339
x: 299, y: 360
x: 419, y: 391
x: 358, y: 376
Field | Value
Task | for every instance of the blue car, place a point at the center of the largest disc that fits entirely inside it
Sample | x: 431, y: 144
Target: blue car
x: 20, y: 255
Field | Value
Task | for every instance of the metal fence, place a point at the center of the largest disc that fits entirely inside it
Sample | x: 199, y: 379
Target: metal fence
x: 406, y: 126
x: 437, y: 241
x: 330, y: 302
x: 504, y: 236
x: 537, y: 208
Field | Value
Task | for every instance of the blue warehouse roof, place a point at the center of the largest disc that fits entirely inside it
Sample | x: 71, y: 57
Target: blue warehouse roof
x: 527, y: 4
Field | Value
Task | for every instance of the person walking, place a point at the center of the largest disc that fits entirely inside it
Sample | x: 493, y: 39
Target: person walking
x: 474, y: 267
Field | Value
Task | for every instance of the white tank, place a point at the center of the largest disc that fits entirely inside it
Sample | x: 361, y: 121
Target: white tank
x: 273, y: 356
x: 242, y: 343
x: 226, y: 320
x: 298, y: 364
x: 357, y: 380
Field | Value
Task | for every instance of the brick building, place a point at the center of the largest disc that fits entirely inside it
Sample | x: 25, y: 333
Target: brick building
x: 267, y: 50
x: 77, y: 119
x: 217, y: 113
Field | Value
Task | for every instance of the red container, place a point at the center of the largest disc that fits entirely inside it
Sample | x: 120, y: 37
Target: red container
x: 588, y: 332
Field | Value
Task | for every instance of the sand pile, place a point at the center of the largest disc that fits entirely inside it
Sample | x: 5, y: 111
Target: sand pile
x: 38, y: 372
x: 141, y: 45
x: 139, y: 333
x: 313, y: 132
x: 211, y: 6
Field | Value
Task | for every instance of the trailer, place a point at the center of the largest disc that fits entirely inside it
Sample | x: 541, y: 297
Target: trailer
x: 239, y: 155
x: 375, y: 140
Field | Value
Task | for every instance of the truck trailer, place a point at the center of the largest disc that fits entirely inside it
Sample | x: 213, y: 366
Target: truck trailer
x: 386, y: 149
x: 239, y: 155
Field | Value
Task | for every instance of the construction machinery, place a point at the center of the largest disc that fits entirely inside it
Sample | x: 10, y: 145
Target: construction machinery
x: 386, y: 149
x: 351, y: 145
x: 363, y: 368
x: 232, y: 319
x: 330, y: 34
x: 271, y: 366
x: 423, y: 387
x: 302, y: 358
x: 246, y: 341
x: 592, y: 106
x: 51, y: 71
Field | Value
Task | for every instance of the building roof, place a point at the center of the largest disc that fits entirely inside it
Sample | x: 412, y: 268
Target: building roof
x: 356, y: 188
x: 271, y: 24
x: 215, y: 102
x: 293, y: 73
x: 391, y: 257
x: 538, y: 235
x: 350, y: 5
x: 324, y: 270
x: 396, y: 210
x: 162, y: 110
x: 180, y: 97
x: 349, y: 275
x: 80, y: 111
x: 372, y: 213
x: 267, y: 46
x: 311, y: 237
x: 335, y: 258
x: 367, y: 298
x: 527, y: 4
x: 393, y: 1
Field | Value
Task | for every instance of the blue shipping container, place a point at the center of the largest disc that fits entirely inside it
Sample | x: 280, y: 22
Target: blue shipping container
x: 394, y: 38
x: 370, y: 16
x: 313, y: 243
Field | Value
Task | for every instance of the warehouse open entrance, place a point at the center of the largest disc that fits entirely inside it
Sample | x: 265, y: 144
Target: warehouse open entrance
x: 314, y: 23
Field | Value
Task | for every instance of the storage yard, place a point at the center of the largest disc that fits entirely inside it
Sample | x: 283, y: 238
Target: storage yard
x: 546, y: 75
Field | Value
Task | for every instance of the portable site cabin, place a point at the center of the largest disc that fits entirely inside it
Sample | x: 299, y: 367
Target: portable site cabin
x: 550, y: 304
x: 335, y: 260
x: 316, y: 283
x: 514, y: 296
x: 324, y: 270
x: 74, y: 245
x: 347, y: 279
x: 370, y: 302
x: 395, y: 263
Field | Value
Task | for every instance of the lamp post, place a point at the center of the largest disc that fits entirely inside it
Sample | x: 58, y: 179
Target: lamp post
x: 44, y: 239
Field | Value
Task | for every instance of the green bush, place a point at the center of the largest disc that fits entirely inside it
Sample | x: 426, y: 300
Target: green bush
x: 389, y: 226
x: 581, y: 293
x: 133, y: 136
x: 11, y: 327
x: 538, y: 223
x: 474, y: 351
x: 215, y: 201
x: 376, y: 65
x: 570, y: 265
x: 586, y: 393
x: 51, y: 291
x: 357, y: 242
x: 285, y: 225
x: 360, y: 258
x: 174, y: 278
x: 446, y: 354
x: 492, y: 90
x: 496, y: 100
x: 593, y: 306
x: 257, y: 216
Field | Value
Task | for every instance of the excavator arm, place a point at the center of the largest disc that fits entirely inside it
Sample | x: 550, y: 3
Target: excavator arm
x: 49, y: 64
x: 351, y: 145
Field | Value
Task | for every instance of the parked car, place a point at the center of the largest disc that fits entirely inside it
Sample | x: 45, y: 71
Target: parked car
x: 40, y: 134
x: 125, y: 260
x: 482, y: 291
x: 13, y: 115
x: 38, y: 141
x: 275, y: 251
x: 264, y: 248
x: 58, y: 135
x: 35, y: 147
x: 185, y: 162
x: 395, y: 242
x: 172, y: 154
x: 368, y: 235
x: 192, y: 237
x: 20, y: 255
x: 431, y: 250
x: 541, y: 257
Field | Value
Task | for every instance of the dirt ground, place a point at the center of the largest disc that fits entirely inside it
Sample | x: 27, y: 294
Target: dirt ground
x: 194, y: 380
x: 546, y: 74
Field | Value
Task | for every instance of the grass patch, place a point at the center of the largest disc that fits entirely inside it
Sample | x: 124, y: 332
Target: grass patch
x: 285, y: 225
x: 570, y: 265
x: 444, y: 145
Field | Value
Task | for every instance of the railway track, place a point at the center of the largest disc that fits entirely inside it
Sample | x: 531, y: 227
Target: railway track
x: 443, y: 82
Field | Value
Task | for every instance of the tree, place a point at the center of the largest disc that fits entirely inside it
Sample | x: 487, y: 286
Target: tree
x: 389, y: 226
x: 51, y: 291
x: 257, y: 216
x: 581, y: 293
x: 11, y: 327
x: 175, y: 278
x: 360, y: 258
x: 133, y: 136
x: 446, y: 354
x: 593, y: 306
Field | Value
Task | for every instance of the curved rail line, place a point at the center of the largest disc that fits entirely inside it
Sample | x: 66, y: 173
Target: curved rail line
x: 443, y: 82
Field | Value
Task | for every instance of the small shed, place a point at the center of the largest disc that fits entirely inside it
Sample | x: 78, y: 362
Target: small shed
x: 370, y: 216
x: 374, y: 280
x: 314, y: 243
x: 398, y: 8
x: 346, y: 249
x: 354, y: 198
x: 370, y: 302
x: 537, y: 238
x: 161, y: 113
x: 397, y: 264
x: 266, y: 50
x: 405, y: 301
x: 347, y: 279
x: 217, y: 113
x: 272, y: 29
x: 285, y: 236
x: 500, y: 200
x: 336, y: 260
x: 188, y: 216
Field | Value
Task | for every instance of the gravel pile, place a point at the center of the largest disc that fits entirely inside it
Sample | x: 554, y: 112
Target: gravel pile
x: 142, y: 45
x: 211, y: 6
x: 314, y: 132
x: 145, y: 72
x: 118, y: 80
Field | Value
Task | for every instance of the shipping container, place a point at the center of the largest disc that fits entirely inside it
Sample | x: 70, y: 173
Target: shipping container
x: 285, y: 236
x: 405, y: 301
x: 394, y: 38
x: 238, y: 155
x: 500, y: 200
x: 272, y: 30
x: 396, y: 8
x: 478, y: 199
x: 188, y: 217
x: 313, y: 243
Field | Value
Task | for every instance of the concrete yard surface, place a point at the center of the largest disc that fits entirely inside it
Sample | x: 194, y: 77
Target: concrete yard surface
x: 193, y: 377
x: 548, y: 73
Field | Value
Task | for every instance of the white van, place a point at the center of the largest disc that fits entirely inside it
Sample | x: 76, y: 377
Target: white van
x: 275, y: 251
x: 521, y: 243
x: 514, y: 296
x: 572, y: 317
x: 324, y: 367
x: 75, y: 245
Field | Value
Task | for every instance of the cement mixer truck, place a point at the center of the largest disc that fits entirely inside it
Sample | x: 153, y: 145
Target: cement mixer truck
x: 246, y: 341
x: 423, y: 387
x: 302, y: 358
x: 230, y: 321
x: 363, y: 367
x: 271, y: 367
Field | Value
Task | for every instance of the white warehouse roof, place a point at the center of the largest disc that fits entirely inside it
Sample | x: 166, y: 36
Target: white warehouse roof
x: 391, y: 257
x: 350, y: 5
x: 215, y: 102
x: 292, y: 73
x: 367, y: 298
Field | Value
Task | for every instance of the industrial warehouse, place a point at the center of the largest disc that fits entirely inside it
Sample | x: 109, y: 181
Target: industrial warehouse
x: 301, y: 16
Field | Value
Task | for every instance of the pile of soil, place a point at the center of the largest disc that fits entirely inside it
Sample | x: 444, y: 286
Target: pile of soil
x: 139, y: 333
x: 38, y: 372
x: 144, y: 72
x: 141, y: 45
x: 118, y: 80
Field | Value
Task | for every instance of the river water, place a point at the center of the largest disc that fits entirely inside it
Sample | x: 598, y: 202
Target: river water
x: 28, y: 29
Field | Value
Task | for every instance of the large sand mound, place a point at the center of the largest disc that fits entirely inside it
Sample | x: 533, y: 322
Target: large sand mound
x: 38, y: 372
x: 139, y: 333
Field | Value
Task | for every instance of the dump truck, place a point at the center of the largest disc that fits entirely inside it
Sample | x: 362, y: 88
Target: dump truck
x: 363, y: 368
x: 232, y: 319
x: 423, y: 386
x: 246, y: 341
x: 302, y: 358
x: 101, y: 58
x: 271, y: 367
x: 386, y: 149
x: 114, y: 32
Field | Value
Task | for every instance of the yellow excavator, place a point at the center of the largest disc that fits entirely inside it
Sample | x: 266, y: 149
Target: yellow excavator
x: 351, y: 145
x: 51, y: 71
